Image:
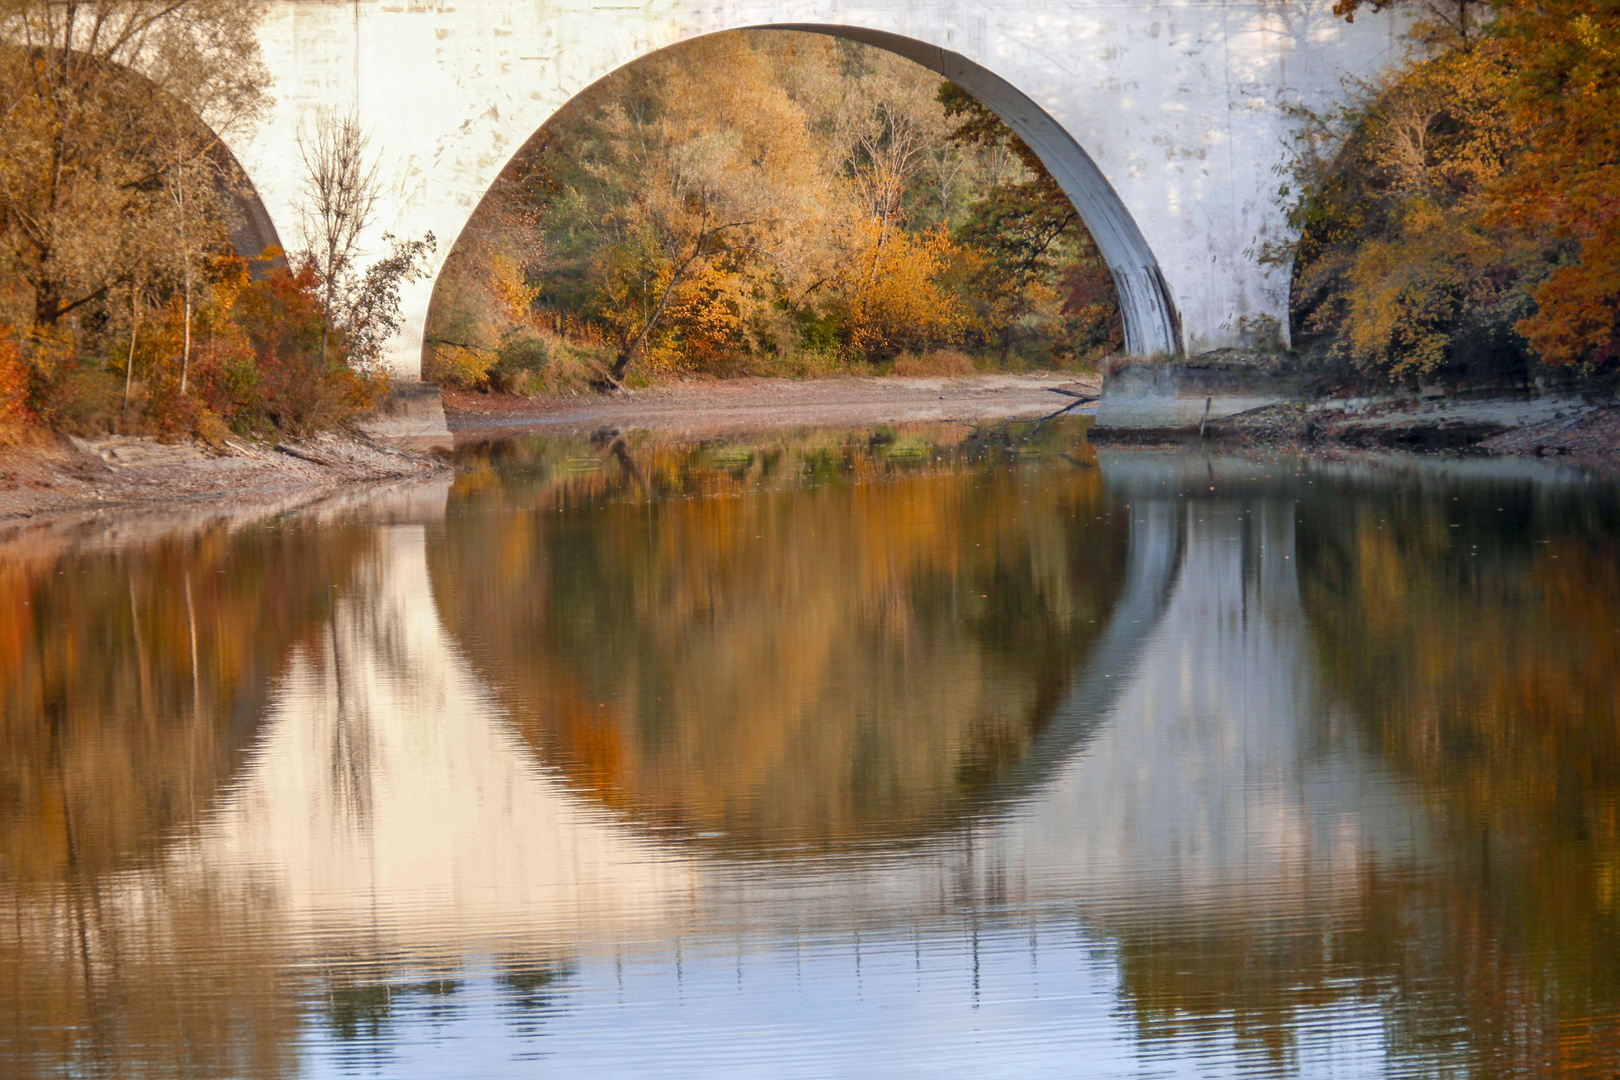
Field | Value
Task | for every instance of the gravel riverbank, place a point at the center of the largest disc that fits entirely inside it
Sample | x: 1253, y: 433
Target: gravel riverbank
x: 48, y: 474
x: 699, y: 407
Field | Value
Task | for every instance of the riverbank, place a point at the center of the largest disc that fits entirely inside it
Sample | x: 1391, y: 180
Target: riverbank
x: 703, y: 406
x: 1247, y: 398
x: 1581, y: 431
x: 50, y: 474
x: 45, y: 473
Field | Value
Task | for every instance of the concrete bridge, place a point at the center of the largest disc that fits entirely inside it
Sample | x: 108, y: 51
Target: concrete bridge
x: 1164, y: 120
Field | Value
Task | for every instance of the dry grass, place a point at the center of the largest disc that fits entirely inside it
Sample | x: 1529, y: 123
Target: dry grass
x: 934, y: 362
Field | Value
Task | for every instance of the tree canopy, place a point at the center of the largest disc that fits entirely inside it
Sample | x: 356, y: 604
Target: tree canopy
x: 123, y: 300
x: 1460, y: 213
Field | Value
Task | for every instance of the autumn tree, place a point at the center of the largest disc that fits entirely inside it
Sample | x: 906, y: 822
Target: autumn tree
x: 690, y: 185
x: 1462, y: 208
x: 1031, y: 235
x: 1565, y: 182
x: 111, y: 112
x: 339, y: 203
x: 1396, y: 271
x: 1434, y: 24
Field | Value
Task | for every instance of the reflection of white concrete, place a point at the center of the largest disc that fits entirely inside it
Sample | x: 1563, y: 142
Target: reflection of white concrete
x: 386, y: 796
x: 1216, y: 777
x: 1219, y: 773
x: 388, y: 814
x: 387, y: 800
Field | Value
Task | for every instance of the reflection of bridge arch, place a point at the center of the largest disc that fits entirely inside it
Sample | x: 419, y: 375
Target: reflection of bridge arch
x: 1152, y: 567
x: 390, y: 818
x: 784, y: 668
x: 386, y: 769
x: 387, y: 794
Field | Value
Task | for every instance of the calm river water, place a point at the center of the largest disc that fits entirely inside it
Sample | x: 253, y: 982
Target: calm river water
x: 898, y: 752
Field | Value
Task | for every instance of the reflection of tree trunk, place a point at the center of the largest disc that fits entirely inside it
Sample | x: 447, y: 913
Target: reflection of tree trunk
x: 196, y: 697
x: 140, y: 651
x: 621, y: 453
x: 54, y: 713
x: 351, y: 744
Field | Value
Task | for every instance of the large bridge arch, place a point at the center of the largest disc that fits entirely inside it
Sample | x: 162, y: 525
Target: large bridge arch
x: 1149, y: 313
x: 1165, y: 121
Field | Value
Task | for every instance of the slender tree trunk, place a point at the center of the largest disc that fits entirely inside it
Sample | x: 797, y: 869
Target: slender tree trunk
x: 47, y: 303
x: 329, y: 273
x: 630, y: 351
x: 185, y: 254
x: 134, y: 326
x: 185, y: 352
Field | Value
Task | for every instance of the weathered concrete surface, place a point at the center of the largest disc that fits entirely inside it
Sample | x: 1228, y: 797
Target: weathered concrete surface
x: 1184, y: 395
x: 1164, y: 120
x: 411, y: 417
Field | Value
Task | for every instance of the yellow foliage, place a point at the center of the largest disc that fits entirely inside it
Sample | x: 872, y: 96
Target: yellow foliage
x: 511, y: 288
x: 900, y: 301
x: 1396, y: 261
x: 1407, y: 293
x: 457, y: 365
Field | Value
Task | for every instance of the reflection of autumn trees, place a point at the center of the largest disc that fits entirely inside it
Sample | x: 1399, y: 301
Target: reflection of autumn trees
x: 132, y: 680
x: 191, y: 989
x: 133, y: 677
x: 837, y: 640
x: 1477, y: 639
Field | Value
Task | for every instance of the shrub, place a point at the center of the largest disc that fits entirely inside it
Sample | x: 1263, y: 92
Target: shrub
x: 13, y: 381
x: 520, y: 362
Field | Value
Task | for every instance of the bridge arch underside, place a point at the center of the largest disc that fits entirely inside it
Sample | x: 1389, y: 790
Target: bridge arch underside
x: 1151, y: 321
x: 253, y: 233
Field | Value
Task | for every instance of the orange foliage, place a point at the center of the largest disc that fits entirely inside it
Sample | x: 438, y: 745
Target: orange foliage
x: 901, y: 301
x: 1566, y: 181
x: 13, y: 380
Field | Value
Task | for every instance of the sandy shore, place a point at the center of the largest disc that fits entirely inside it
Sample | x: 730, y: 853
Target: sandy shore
x: 700, y: 407
x: 52, y: 474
